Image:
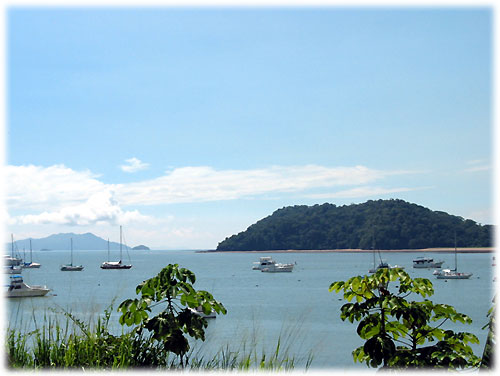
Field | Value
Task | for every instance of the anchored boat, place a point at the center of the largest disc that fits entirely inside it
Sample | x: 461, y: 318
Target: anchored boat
x: 19, y: 289
x: 115, y: 264
x: 426, y: 262
x: 70, y: 267
x: 267, y: 264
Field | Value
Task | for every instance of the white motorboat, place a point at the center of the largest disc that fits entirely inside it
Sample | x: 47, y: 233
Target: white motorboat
x: 277, y: 268
x: 263, y: 262
x: 31, y: 264
x: 452, y: 273
x: 426, y: 262
x: 115, y: 264
x: 19, y: 289
x: 267, y: 264
x: 70, y: 267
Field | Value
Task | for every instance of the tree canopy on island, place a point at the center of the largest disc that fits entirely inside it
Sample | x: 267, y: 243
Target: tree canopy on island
x: 381, y: 224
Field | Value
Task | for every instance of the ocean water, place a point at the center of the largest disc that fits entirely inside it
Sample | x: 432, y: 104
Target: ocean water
x: 295, y: 308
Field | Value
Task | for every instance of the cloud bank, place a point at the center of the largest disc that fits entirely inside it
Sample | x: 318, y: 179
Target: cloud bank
x: 60, y: 195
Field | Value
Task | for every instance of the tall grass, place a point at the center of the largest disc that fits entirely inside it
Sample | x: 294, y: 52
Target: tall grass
x: 75, y: 344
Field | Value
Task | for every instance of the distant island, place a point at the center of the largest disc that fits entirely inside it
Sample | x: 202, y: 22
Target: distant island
x: 141, y: 248
x: 381, y: 224
x: 87, y: 241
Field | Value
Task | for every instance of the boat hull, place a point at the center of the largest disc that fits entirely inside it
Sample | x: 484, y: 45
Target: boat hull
x: 278, y: 269
x: 12, y: 261
x: 454, y: 276
x: 31, y: 265
x: 34, y: 292
x: 13, y: 270
x: 115, y: 266
x: 71, y: 268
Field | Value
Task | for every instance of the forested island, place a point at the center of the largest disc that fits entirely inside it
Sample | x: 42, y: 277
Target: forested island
x: 381, y: 224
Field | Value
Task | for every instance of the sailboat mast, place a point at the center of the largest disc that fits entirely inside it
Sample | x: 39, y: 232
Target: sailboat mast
x: 456, y: 251
x: 71, y: 252
x: 31, y: 253
x: 373, y: 247
x: 12, y: 240
x: 108, y: 249
x: 120, y: 243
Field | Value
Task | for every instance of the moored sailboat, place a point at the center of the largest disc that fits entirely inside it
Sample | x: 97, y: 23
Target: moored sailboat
x: 70, y: 267
x: 31, y: 264
x: 452, y: 273
x: 116, y: 264
x: 12, y: 260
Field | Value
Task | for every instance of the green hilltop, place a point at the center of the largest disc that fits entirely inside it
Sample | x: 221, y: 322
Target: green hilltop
x: 381, y: 224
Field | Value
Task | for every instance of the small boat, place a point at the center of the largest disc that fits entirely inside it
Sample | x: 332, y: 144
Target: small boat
x: 19, y: 289
x: 13, y: 269
x: 70, y: 267
x: 199, y: 312
x: 31, y: 264
x: 12, y: 260
x: 382, y: 264
x: 426, y: 262
x: 263, y: 262
x: 267, y: 264
x: 452, y: 273
x: 115, y: 264
x: 277, y: 268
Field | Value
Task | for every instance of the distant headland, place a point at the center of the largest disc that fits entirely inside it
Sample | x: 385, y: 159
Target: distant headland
x: 382, y: 224
x: 87, y: 241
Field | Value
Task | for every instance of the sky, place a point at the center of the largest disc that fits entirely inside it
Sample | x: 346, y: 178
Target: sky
x: 187, y: 125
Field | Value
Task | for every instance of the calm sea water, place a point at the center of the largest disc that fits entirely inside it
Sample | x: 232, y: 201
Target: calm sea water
x: 262, y: 307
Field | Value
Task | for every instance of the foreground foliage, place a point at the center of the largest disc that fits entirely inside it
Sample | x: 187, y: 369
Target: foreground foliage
x: 400, y: 333
x: 78, y: 345
x: 173, y: 289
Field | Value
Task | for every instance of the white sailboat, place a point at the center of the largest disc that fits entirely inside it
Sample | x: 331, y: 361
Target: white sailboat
x: 70, y: 267
x: 31, y: 264
x: 12, y: 264
x: 115, y: 264
x: 382, y: 265
x: 452, y: 273
x: 12, y: 260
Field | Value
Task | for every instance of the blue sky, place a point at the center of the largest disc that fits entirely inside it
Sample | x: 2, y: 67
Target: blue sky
x: 187, y: 125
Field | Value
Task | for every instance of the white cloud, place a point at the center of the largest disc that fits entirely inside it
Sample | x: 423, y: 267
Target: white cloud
x: 477, y: 169
x: 99, y: 208
x: 38, y: 188
x: 134, y: 165
x: 477, y: 165
x: 198, y: 184
x: 60, y: 195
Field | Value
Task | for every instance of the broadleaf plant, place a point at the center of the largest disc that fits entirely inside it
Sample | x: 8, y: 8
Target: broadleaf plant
x: 172, y: 289
x: 399, y: 333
